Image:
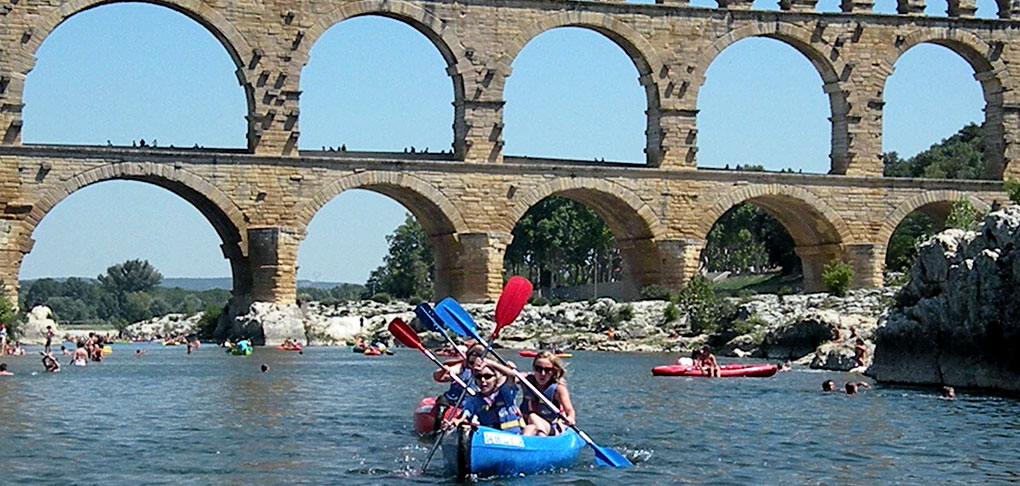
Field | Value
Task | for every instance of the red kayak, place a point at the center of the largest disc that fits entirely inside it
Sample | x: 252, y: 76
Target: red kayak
x: 730, y: 370
x: 532, y: 354
x: 289, y: 348
x: 424, y: 420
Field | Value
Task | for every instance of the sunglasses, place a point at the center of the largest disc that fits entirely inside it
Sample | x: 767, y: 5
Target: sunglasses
x: 487, y: 376
x: 544, y: 369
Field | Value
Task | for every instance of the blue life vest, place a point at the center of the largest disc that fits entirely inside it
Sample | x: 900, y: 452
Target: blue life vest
x: 501, y: 414
x: 532, y: 404
x: 453, y: 394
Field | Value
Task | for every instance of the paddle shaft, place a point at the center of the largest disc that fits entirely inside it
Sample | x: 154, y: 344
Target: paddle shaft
x: 442, y: 432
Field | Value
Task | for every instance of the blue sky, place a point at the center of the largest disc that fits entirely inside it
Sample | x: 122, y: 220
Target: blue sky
x: 130, y: 71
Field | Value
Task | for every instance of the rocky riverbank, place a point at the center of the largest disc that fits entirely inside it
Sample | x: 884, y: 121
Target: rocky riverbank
x: 957, y: 322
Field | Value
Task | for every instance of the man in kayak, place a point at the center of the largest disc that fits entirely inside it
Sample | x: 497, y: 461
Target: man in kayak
x: 708, y: 362
x: 547, y: 376
x: 495, y: 403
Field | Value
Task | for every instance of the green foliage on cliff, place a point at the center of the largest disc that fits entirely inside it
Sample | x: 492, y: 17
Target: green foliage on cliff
x: 960, y: 156
x: 705, y: 309
x: 964, y: 215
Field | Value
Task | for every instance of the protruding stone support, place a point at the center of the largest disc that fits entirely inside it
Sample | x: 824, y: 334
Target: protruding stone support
x: 681, y: 260
x: 678, y: 138
x: 11, y: 87
x: 12, y: 251
x: 798, y: 5
x: 735, y: 4
x: 478, y: 272
x: 910, y: 7
x: 962, y: 8
x: 272, y: 253
x: 868, y: 260
x: 1009, y: 164
x: 857, y: 6
x: 813, y: 260
x: 478, y: 131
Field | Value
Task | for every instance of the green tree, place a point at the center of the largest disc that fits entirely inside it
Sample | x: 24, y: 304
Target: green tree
x: 705, y: 309
x: 130, y: 276
x: 963, y: 215
x: 837, y: 276
x: 746, y: 236
x: 408, y: 269
x: 903, y: 244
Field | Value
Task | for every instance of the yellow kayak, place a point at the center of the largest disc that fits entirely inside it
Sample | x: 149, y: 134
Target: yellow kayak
x: 107, y: 350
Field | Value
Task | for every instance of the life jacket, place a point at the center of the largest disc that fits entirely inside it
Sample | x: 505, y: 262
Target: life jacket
x: 502, y: 413
x: 453, y: 394
x: 532, y: 404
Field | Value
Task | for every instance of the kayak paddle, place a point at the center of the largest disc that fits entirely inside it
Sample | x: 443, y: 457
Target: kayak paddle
x: 428, y: 316
x: 400, y: 330
x: 459, y: 320
x: 515, y: 294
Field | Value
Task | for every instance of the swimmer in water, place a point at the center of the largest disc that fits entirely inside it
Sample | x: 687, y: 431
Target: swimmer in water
x: 828, y: 386
x: 80, y: 356
x: 50, y: 363
x: 3, y: 370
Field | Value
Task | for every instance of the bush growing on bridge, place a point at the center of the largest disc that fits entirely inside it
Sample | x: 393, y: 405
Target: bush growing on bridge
x: 836, y: 277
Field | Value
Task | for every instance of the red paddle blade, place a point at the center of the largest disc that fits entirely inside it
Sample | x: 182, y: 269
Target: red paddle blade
x: 511, y: 301
x: 403, y: 333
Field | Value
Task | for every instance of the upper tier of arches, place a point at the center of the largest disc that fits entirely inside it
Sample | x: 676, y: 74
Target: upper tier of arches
x: 270, y: 48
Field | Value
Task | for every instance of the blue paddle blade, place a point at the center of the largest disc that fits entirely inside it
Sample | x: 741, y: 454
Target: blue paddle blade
x: 427, y: 316
x: 604, y: 456
x: 456, y: 318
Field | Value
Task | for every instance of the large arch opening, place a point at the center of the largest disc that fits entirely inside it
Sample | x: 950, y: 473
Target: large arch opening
x: 394, y: 97
x: 574, y: 95
x: 761, y: 107
x: 816, y: 231
x: 407, y: 250
x: 174, y: 83
x: 748, y: 249
x: 182, y: 235
x: 583, y: 242
x: 951, y: 129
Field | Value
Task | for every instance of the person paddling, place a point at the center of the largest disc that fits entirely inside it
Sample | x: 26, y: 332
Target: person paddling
x: 547, y: 376
x: 495, y: 403
x: 463, y: 369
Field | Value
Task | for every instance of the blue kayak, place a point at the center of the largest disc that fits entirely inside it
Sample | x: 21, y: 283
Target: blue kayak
x: 486, y: 452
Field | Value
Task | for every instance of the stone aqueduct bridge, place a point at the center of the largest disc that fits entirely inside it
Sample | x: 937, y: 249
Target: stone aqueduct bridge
x: 260, y: 200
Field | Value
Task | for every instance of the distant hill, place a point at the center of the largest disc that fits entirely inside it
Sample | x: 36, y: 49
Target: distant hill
x: 200, y: 284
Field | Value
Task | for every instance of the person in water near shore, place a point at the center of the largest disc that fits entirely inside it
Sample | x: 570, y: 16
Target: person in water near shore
x: 948, y: 393
x: 3, y: 370
x: 851, y: 387
x: 49, y: 339
x: 64, y: 351
x: 495, y: 404
x: 265, y: 368
x: 80, y: 356
x: 828, y: 386
x: 708, y: 362
x: 139, y: 353
x: 49, y: 363
x: 547, y: 376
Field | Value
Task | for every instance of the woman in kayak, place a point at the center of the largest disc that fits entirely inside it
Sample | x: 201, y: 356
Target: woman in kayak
x: 708, y: 362
x: 464, y: 369
x: 495, y: 404
x: 547, y: 376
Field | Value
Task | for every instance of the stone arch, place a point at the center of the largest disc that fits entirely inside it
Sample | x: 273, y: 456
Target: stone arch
x: 635, y: 226
x: 222, y: 213
x: 937, y: 203
x: 993, y: 74
x: 432, y: 208
x: 818, y: 231
x: 642, y: 53
x: 805, y: 42
x: 205, y: 14
x: 432, y: 27
x: 437, y: 215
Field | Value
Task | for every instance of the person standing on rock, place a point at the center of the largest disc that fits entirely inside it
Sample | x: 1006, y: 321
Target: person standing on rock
x: 3, y: 339
x: 860, y: 352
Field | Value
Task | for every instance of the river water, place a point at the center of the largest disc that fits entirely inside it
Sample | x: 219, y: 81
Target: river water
x: 331, y: 417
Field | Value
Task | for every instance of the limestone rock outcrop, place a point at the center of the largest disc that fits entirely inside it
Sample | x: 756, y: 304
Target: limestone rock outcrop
x: 34, y: 331
x: 957, y: 321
